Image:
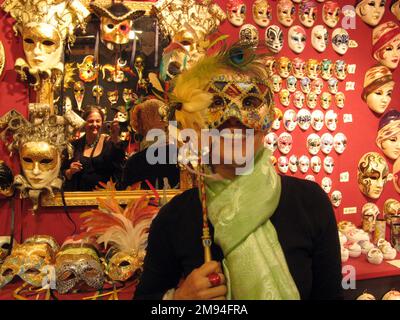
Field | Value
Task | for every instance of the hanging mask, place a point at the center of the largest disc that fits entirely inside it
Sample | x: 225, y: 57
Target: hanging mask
x: 326, y: 99
x: 270, y: 66
x: 331, y: 13
x: 326, y: 143
x: 340, y: 41
x: 391, y: 209
x: 283, y: 164
x: 271, y: 141
x: 305, y: 85
x: 315, y: 164
x: 372, y: 174
x: 311, y: 100
x: 262, y: 13
x: 276, y: 83
x: 97, y: 92
x: 284, y: 97
x: 112, y: 96
x: 340, y: 142
x: 88, y: 70
x: 340, y: 69
x: 319, y: 38
x: 6, y: 181
x: 312, y: 69
x: 333, y: 85
x: 236, y: 12
x: 304, y: 164
x: 293, y: 163
x: 284, y: 67
x: 317, y: 85
x: 369, y: 213
x: 248, y: 35
x: 313, y: 144
x: 290, y: 120
x: 291, y: 83
x: 388, y: 138
x: 274, y: 38
x: 128, y: 95
x: 308, y: 13
x: 395, y: 8
x: 299, y: 99
x: 317, y: 120
x: 298, y: 68
x: 285, y: 142
x: 326, y: 69
x: 371, y: 12
x: 286, y: 12
x: 304, y: 119
x: 326, y: 184
x: 79, y: 93
x: 331, y: 119
x: 278, y: 115
x: 297, y: 39
x: 329, y: 164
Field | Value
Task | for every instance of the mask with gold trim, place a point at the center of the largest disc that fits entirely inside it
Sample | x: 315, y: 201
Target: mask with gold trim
x: 262, y: 13
x: 312, y: 69
x: 326, y: 69
x: 79, y: 93
x: 248, y: 35
x: 88, y: 70
x: 112, y: 96
x: 284, y: 67
x: 298, y: 68
x: 121, y: 266
x: 236, y: 11
x: 286, y: 12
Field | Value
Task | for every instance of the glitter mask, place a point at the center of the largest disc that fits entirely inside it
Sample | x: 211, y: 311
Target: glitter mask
x: 122, y: 265
x: 249, y: 102
x: 372, y: 174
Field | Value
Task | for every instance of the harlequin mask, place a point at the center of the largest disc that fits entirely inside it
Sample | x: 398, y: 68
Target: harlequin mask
x: 290, y: 120
x: 262, y: 13
x: 284, y: 67
x: 304, y: 119
x: 331, y: 13
x: 299, y: 99
x: 308, y: 13
x: 293, y: 163
x: 386, y: 44
x: 291, y: 83
x: 371, y: 12
x: 304, y: 164
x: 340, y: 99
x: 326, y: 143
x: 339, y: 142
x: 317, y: 86
x: 284, y: 97
x: 274, y: 38
x: 315, y: 164
x: 331, y: 119
x: 297, y: 39
x: 78, y: 264
x: 319, y: 38
x: 311, y: 100
x: 271, y: 141
x: 286, y: 12
x: 388, y: 138
x: 326, y: 184
x: 299, y: 68
x: 313, y: 143
x: 285, y: 142
x: 276, y: 83
x: 317, y: 120
x: 112, y: 96
x: 236, y: 12
x: 79, y: 93
x: 326, y: 69
x: 312, y: 69
x: 333, y: 85
x: 340, y: 41
x: 278, y: 115
x: 248, y: 35
x: 283, y: 164
x: 305, y: 85
x: 329, y: 164
x: 340, y: 69
x: 372, y: 174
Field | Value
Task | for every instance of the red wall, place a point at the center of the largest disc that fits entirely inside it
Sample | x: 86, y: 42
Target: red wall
x: 361, y: 133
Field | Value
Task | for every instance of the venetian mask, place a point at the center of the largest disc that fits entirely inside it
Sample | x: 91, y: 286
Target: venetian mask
x: 391, y: 208
x: 329, y: 164
x: 6, y: 181
x: 313, y: 143
x: 248, y: 35
x: 271, y: 141
x: 326, y: 143
x: 336, y: 198
x: 378, y: 88
x: 285, y: 142
x: 372, y: 174
x: 112, y: 96
x: 299, y: 99
x: 88, y: 69
x: 128, y: 95
x: 293, y: 163
x: 286, y: 12
x: 369, y: 213
x: 284, y: 67
x: 331, y: 119
x: 333, y: 85
x: 298, y: 68
x: 276, y: 83
x: 284, y: 97
x: 317, y: 85
x: 305, y: 85
x: 114, y: 31
x: 5, y: 246
x: 40, y: 162
x: 386, y: 44
x: 290, y: 120
x: 388, y: 138
x: 236, y: 12
x: 270, y: 65
x: 340, y: 41
x: 304, y: 119
x: 262, y: 13
x: 291, y: 83
x: 312, y: 69
x: 97, y: 92
x: 297, y: 39
x: 311, y: 100
x: 326, y: 184
x: 326, y: 69
x: 308, y: 13
x: 339, y: 142
x: 370, y: 11
x: 331, y: 13
x: 319, y: 38
x: 317, y: 120
x: 278, y: 115
x: 340, y: 99
x: 274, y: 38
x: 121, y: 266
x: 340, y: 69
x: 283, y: 164
x: 304, y: 164
x: 395, y: 8
x: 315, y: 164
x: 79, y: 93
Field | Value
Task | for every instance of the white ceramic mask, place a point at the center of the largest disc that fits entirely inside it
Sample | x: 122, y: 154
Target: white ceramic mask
x: 340, y: 142
x: 315, y: 164
x: 313, y: 144
x: 293, y: 163
x: 333, y: 85
x: 340, y: 41
x: 299, y: 99
x: 340, y: 99
x: 305, y: 85
x: 317, y: 120
x: 304, y: 164
x: 236, y: 12
x: 311, y: 100
x: 274, y: 38
x: 284, y: 97
x: 317, y: 85
x: 326, y: 99
x: 285, y: 142
x: 329, y: 164
x: 304, y: 119
x: 276, y: 83
x: 286, y: 12
x: 291, y: 83
x: 326, y: 143
x: 290, y: 120
x: 271, y: 141
x: 336, y: 198
x: 331, y: 119
x: 297, y: 39
x: 283, y: 164
x: 326, y: 184
x: 319, y: 38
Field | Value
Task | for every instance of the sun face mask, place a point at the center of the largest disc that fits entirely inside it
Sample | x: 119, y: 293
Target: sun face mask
x: 291, y: 83
x: 386, y: 44
x: 308, y: 13
x: 388, y: 137
x: 285, y: 142
x: 326, y: 69
x: 304, y: 164
x: 262, y: 13
x: 331, y: 13
x: 326, y: 184
x: 315, y: 164
x: 339, y: 142
x: 297, y: 39
x: 317, y: 120
x: 299, y: 99
x: 326, y: 143
x: 340, y: 41
x: 286, y: 12
x: 283, y: 164
x: 290, y: 120
x: 293, y: 163
x: 340, y: 99
x: 284, y: 97
x: 313, y: 144
x: 236, y: 12
x: 299, y: 68
x: 319, y: 38
x: 370, y: 11
x: 372, y: 174
x: 274, y: 38
x: 329, y: 164
x: 331, y: 119
x: 304, y: 119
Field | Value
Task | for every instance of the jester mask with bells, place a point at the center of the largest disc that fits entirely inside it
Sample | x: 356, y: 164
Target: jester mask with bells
x: 30, y: 261
x: 123, y: 232
x: 188, y: 23
x: 45, y: 26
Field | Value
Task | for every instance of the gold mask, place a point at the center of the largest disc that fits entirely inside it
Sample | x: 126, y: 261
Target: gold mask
x: 115, y: 31
x: 122, y: 266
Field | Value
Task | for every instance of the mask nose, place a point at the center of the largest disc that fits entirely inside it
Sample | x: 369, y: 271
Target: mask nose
x: 36, y: 170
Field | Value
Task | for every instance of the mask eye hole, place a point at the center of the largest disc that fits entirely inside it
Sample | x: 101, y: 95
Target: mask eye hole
x: 110, y: 26
x: 48, y: 43
x: 5, y: 246
x: 29, y: 160
x: 217, y: 102
x: 251, y: 102
x: 29, y: 41
x: 7, y: 272
x: 46, y: 161
x: 67, y: 275
x: 122, y: 27
x: 124, y: 264
x: 32, y: 271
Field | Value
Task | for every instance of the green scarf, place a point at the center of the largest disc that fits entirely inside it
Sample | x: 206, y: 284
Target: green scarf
x: 254, y: 263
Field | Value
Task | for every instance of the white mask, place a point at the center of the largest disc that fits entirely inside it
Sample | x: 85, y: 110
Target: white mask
x: 311, y: 100
x: 293, y: 162
x: 339, y: 142
x: 291, y: 83
x: 340, y: 99
x: 319, y: 38
x: 304, y: 119
x: 297, y: 39
x: 317, y: 120
x: 326, y: 143
x: 285, y: 142
x: 336, y: 198
x: 276, y: 83
x: 248, y: 35
x: 274, y: 38
x: 340, y: 41
x: 313, y: 144
x: 262, y: 13
x: 236, y: 12
x: 326, y: 99
x: 331, y: 119
x: 271, y: 141
x: 304, y: 164
x: 284, y: 97
x: 316, y: 164
x: 283, y: 164
x: 329, y: 164
x: 326, y: 184
x: 290, y: 120
x: 298, y: 100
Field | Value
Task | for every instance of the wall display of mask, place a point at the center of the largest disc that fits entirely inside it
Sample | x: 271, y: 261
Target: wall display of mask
x: 331, y: 13
x: 293, y: 163
x: 286, y: 12
x: 285, y: 142
x: 308, y: 13
x: 386, y: 44
x: 371, y: 12
x: 336, y: 198
x: 236, y: 11
x: 319, y: 38
x: 388, y: 137
x: 248, y: 35
x: 262, y: 13
x: 304, y: 164
x: 274, y: 38
x: 297, y: 39
x: 340, y: 142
